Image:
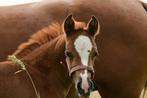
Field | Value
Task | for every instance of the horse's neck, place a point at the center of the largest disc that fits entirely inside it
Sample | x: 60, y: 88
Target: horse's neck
x: 46, y: 60
x: 48, y: 56
x: 52, y: 51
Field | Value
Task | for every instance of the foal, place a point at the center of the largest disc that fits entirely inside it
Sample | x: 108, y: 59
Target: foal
x: 50, y: 77
x: 44, y: 63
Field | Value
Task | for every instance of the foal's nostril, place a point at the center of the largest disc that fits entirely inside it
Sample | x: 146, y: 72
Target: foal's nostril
x: 91, y: 85
x: 79, y: 88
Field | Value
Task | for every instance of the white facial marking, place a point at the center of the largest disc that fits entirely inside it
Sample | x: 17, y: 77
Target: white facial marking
x: 83, y: 45
x: 85, y: 84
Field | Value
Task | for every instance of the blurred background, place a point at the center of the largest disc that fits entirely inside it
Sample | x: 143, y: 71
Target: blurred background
x: 17, y: 2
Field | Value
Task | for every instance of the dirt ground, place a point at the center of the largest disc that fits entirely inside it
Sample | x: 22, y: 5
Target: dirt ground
x: 95, y: 94
x: 141, y: 96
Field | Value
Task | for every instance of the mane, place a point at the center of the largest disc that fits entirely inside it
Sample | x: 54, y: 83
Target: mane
x: 43, y: 36
x: 37, y: 39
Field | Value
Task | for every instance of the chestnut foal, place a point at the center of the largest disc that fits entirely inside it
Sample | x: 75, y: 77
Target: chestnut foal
x: 44, y: 64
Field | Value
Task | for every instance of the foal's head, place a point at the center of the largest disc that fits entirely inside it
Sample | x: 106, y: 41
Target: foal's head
x: 81, y: 51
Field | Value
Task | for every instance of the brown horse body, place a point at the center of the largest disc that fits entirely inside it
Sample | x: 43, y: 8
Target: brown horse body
x: 43, y: 63
x: 43, y: 69
x: 24, y: 20
x: 121, y: 70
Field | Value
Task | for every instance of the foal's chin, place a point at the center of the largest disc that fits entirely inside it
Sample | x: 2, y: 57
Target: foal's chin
x: 83, y: 83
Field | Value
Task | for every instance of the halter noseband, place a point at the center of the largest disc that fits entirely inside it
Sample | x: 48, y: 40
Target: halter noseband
x: 81, y: 67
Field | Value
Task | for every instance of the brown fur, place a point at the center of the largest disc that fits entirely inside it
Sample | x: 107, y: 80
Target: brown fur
x: 121, y: 69
x: 36, y: 40
x: 43, y: 62
x: 50, y: 77
x: 43, y: 36
x: 24, y: 20
x: 47, y: 52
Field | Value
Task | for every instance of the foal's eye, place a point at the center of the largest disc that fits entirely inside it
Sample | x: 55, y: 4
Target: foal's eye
x: 68, y: 54
x: 94, y: 54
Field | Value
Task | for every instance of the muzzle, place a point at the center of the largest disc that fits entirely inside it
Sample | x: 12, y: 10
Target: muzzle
x: 81, y: 67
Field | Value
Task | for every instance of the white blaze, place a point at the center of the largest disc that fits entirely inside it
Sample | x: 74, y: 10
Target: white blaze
x: 16, y: 2
x: 83, y: 45
x: 85, y: 84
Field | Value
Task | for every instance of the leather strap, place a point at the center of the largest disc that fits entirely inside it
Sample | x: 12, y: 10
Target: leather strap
x: 81, y: 67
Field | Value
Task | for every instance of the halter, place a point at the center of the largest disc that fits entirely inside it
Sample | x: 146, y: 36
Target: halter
x: 81, y: 67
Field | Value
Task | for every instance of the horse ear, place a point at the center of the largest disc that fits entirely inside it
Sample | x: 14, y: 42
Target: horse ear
x: 69, y: 25
x: 93, y: 26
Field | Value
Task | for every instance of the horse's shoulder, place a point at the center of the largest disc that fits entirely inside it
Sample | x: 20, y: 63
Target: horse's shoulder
x: 11, y: 83
x: 7, y: 68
